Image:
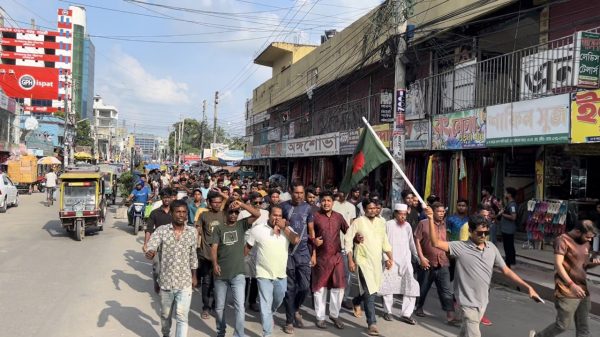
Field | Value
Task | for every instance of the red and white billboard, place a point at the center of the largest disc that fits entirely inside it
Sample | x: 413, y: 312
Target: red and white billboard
x: 35, y: 44
x: 40, y: 109
x: 28, y: 31
x: 29, y: 82
x: 34, y: 57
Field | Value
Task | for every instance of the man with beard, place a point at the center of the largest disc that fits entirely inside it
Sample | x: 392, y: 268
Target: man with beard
x: 364, y: 258
x: 475, y: 261
x: 400, y: 279
x: 571, y: 262
x: 272, y: 240
x: 176, y: 244
x: 412, y: 215
x: 299, y: 216
x: 328, y: 266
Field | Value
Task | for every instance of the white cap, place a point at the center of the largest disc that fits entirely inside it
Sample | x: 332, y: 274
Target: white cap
x: 401, y: 207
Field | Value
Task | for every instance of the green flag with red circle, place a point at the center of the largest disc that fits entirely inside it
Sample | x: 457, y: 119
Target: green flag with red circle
x: 367, y: 156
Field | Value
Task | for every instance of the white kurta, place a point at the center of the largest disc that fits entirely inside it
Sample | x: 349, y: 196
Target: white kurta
x: 400, y: 279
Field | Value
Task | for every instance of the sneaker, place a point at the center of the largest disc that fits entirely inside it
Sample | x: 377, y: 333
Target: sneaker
x: 373, y: 331
x: 486, y: 321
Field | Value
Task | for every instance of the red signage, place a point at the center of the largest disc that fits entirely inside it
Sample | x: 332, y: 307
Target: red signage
x: 40, y: 109
x: 65, y: 12
x: 28, y: 31
x: 29, y: 82
x: 35, y: 57
x: 35, y: 44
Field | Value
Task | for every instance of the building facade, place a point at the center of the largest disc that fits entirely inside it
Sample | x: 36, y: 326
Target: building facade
x: 104, y: 128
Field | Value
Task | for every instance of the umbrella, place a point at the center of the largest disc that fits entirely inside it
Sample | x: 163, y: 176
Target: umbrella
x: 83, y: 155
x: 49, y: 161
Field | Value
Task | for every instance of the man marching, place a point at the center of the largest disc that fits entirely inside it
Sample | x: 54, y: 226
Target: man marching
x: 328, y: 266
x: 400, y: 279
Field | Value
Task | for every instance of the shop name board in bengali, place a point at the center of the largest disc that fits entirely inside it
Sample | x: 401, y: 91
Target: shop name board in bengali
x: 323, y: 145
x: 417, y: 135
x: 588, y: 75
x: 585, y: 117
x: 459, y: 130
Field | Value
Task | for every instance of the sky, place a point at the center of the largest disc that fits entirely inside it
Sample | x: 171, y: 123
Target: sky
x: 158, y: 60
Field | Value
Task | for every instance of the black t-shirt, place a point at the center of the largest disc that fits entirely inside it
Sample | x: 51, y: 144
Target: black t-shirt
x: 158, y: 218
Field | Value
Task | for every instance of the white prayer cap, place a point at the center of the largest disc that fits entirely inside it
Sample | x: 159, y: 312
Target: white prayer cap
x: 401, y: 207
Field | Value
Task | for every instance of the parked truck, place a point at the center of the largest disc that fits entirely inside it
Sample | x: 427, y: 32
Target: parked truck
x: 24, y: 173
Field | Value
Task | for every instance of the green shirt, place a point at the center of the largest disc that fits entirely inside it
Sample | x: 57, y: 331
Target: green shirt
x: 230, y: 253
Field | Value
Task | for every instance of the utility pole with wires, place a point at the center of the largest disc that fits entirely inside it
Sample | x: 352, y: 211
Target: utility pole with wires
x: 399, y: 130
x: 202, y: 129
x: 215, y: 123
x: 181, y: 135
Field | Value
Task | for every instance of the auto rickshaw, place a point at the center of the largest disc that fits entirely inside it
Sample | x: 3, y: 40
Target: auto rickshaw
x: 82, y: 200
x: 109, y: 174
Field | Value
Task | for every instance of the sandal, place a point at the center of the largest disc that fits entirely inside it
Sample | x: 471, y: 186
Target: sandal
x: 337, y: 322
x: 357, y: 310
x: 289, y: 329
x: 407, y: 320
x: 321, y: 325
x: 298, y: 319
x: 205, y: 314
x: 455, y: 323
x: 420, y: 313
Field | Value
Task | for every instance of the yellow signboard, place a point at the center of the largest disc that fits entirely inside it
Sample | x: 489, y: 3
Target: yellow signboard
x: 585, y: 117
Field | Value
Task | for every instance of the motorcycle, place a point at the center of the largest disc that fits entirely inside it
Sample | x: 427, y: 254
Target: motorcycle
x: 138, y: 217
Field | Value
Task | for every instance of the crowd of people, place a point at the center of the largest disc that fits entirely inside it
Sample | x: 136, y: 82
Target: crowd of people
x: 270, y: 246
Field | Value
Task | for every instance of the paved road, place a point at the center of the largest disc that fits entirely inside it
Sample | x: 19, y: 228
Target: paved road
x: 54, y: 286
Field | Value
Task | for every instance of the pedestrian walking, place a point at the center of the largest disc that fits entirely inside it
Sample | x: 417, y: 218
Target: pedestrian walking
x: 158, y: 217
x: 328, y: 272
x: 205, y: 225
x: 227, y: 250
x: 508, y: 226
x: 176, y: 244
x: 297, y: 212
x: 475, y: 261
x: 364, y: 258
x: 434, y: 265
x: 400, y: 278
x: 271, y: 240
x: 572, y: 297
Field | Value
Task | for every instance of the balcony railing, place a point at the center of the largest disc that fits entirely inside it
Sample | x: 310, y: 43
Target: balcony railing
x: 543, y: 70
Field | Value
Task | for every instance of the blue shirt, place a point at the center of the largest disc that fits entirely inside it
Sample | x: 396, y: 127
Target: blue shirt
x: 454, y: 223
x: 141, y: 195
x: 204, y: 192
x: 298, y: 217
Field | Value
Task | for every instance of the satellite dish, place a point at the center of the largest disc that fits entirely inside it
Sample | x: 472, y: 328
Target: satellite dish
x: 31, y: 123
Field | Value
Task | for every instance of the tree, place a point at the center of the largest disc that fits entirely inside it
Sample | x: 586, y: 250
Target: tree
x: 83, y: 134
x: 194, y: 133
x: 236, y: 143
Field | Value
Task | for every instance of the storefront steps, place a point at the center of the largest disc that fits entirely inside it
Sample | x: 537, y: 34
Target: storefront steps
x: 536, y: 267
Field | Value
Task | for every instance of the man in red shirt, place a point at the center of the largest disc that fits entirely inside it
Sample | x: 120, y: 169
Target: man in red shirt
x: 328, y: 265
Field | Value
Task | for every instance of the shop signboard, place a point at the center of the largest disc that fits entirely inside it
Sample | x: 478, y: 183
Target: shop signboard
x: 587, y: 60
x: 348, y: 141
x: 540, y: 121
x: 585, y: 117
x: 386, y: 106
x: 384, y: 132
x: 458, y: 130
x: 418, y: 135
x: 27, y: 82
x: 321, y: 145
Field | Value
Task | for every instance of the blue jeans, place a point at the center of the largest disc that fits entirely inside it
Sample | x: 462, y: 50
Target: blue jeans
x: 238, y: 287
x: 271, y: 294
x: 180, y: 299
x: 367, y: 299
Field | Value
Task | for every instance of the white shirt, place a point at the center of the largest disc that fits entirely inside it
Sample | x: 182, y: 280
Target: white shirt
x: 346, y: 209
x: 272, y: 251
x: 264, y: 216
x: 51, y: 179
x: 285, y: 197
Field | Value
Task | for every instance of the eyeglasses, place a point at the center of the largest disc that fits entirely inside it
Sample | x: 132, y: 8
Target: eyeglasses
x: 482, y: 233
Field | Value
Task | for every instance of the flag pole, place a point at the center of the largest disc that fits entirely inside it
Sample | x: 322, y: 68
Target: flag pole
x: 389, y: 155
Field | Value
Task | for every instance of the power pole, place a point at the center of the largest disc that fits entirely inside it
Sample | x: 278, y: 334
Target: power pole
x: 399, y: 130
x: 202, y: 129
x: 215, y: 122
x: 181, y: 138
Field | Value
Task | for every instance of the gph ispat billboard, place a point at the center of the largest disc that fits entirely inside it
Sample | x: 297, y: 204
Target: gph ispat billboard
x: 29, y: 82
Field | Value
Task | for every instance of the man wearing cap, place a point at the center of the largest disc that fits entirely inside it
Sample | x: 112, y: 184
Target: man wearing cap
x: 399, y: 279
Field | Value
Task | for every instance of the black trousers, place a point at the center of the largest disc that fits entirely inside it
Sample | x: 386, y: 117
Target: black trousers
x: 205, y: 276
x: 508, y: 240
x: 298, y: 285
x: 251, y: 289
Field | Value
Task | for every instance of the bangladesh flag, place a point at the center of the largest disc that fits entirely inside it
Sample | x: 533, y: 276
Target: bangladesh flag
x: 368, y: 155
